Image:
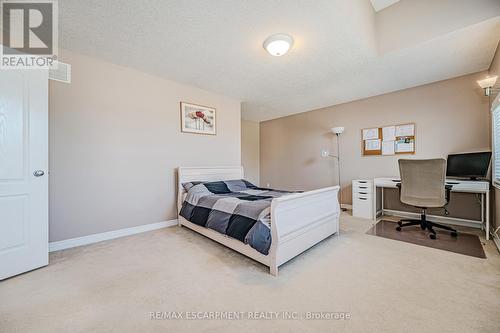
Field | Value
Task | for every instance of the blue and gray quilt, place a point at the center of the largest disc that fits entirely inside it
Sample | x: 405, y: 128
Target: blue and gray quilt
x: 235, y: 208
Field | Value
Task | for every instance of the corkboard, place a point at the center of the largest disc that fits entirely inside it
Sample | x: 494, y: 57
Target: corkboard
x: 370, y: 152
x: 410, y: 138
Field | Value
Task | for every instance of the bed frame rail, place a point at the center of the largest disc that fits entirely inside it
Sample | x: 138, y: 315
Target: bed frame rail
x: 299, y: 221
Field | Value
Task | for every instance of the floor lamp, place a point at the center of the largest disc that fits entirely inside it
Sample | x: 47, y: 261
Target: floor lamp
x: 325, y: 153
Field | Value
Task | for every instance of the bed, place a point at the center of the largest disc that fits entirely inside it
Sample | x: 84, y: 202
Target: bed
x: 298, y: 220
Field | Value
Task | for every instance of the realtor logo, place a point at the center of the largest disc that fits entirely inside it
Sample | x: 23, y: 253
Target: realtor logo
x: 29, y: 33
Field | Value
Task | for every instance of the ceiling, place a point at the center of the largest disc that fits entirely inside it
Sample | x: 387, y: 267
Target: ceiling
x: 378, y: 5
x: 343, y: 51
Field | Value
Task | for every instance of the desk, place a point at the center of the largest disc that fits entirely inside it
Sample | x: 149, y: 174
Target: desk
x: 466, y: 186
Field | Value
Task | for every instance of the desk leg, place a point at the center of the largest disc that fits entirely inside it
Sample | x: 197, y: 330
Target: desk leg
x: 382, y: 202
x: 374, y: 203
x: 487, y: 213
x: 483, y: 220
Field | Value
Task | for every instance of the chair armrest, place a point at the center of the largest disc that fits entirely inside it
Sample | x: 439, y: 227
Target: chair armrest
x: 398, y: 185
x: 448, y: 192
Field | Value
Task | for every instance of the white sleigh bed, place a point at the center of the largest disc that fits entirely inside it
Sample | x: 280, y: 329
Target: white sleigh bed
x: 298, y: 220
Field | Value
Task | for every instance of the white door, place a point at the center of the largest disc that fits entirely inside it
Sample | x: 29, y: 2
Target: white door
x: 23, y: 171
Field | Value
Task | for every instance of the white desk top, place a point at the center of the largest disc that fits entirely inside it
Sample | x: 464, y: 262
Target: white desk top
x: 473, y: 186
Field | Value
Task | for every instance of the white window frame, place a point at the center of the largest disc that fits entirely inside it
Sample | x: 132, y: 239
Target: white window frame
x: 495, y: 174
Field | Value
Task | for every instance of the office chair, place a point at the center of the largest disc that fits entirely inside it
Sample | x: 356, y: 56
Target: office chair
x: 423, y: 186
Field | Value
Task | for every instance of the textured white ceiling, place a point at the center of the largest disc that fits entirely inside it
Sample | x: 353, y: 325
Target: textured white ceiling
x: 343, y: 49
x: 381, y: 4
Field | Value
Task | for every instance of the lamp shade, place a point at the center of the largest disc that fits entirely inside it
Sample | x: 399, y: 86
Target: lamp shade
x: 488, y: 82
x: 337, y: 130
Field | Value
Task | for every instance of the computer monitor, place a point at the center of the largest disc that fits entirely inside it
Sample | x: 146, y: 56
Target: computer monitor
x: 470, y: 165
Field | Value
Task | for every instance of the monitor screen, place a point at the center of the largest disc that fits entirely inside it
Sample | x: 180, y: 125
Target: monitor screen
x: 471, y: 165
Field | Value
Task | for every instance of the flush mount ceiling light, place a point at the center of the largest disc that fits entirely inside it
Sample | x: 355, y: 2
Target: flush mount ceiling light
x: 278, y: 44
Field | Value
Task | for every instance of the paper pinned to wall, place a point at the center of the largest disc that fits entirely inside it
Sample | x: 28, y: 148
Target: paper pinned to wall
x: 388, y: 147
x: 372, y: 144
x: 405, y: 146
x: 389, y: 133
x: 370, y: 133
x: 405, y: 130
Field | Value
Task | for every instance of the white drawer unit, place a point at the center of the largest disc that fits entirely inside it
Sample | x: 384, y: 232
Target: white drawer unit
x: 362, y: 198
x: 364, y: 186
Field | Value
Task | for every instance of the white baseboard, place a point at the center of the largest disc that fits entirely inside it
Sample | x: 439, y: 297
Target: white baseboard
x: 95, y: 238
x: 346, y: 206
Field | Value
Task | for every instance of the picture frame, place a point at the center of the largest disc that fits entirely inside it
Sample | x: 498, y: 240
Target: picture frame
x: 198, y: 119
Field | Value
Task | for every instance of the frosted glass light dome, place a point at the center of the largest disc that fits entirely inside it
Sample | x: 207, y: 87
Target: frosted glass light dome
x: 278, y: 44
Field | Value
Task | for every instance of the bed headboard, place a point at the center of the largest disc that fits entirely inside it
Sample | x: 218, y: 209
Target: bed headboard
x: 201, y: 174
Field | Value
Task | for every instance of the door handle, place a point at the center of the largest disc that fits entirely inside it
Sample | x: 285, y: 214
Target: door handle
x: 38, y: 173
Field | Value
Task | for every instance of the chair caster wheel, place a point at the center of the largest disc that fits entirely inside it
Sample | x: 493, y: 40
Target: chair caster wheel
x: 422, y: 227
x: 454, y: 234
x: 400, y: 223
x: 432, y: 236
x: 398, y: 228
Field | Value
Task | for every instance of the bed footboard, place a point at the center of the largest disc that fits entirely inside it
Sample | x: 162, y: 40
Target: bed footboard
x: 301, y: 220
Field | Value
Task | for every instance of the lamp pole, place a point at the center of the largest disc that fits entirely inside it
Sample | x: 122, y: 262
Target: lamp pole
x: 338, y: 171
x: 325, y: 153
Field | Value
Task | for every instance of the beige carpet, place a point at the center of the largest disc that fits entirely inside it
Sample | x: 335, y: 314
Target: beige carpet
x: 384, y: 285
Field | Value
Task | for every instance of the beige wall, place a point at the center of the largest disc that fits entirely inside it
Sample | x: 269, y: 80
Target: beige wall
x: 115, y: 142
x: 400, y: 25
x: 450, y: 116
x: 495, y: 70
x: 250, y: 150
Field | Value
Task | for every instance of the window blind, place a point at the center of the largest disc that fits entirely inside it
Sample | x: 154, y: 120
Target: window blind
x: 496, y: 146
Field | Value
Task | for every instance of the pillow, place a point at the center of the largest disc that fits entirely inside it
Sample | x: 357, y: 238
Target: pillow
x: 218, y: 187
x: 222, y: 187
x: 189, y: 185
x: 239, y: 185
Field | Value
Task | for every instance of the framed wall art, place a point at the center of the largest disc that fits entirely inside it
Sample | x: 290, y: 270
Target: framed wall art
x: 198, y: 119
